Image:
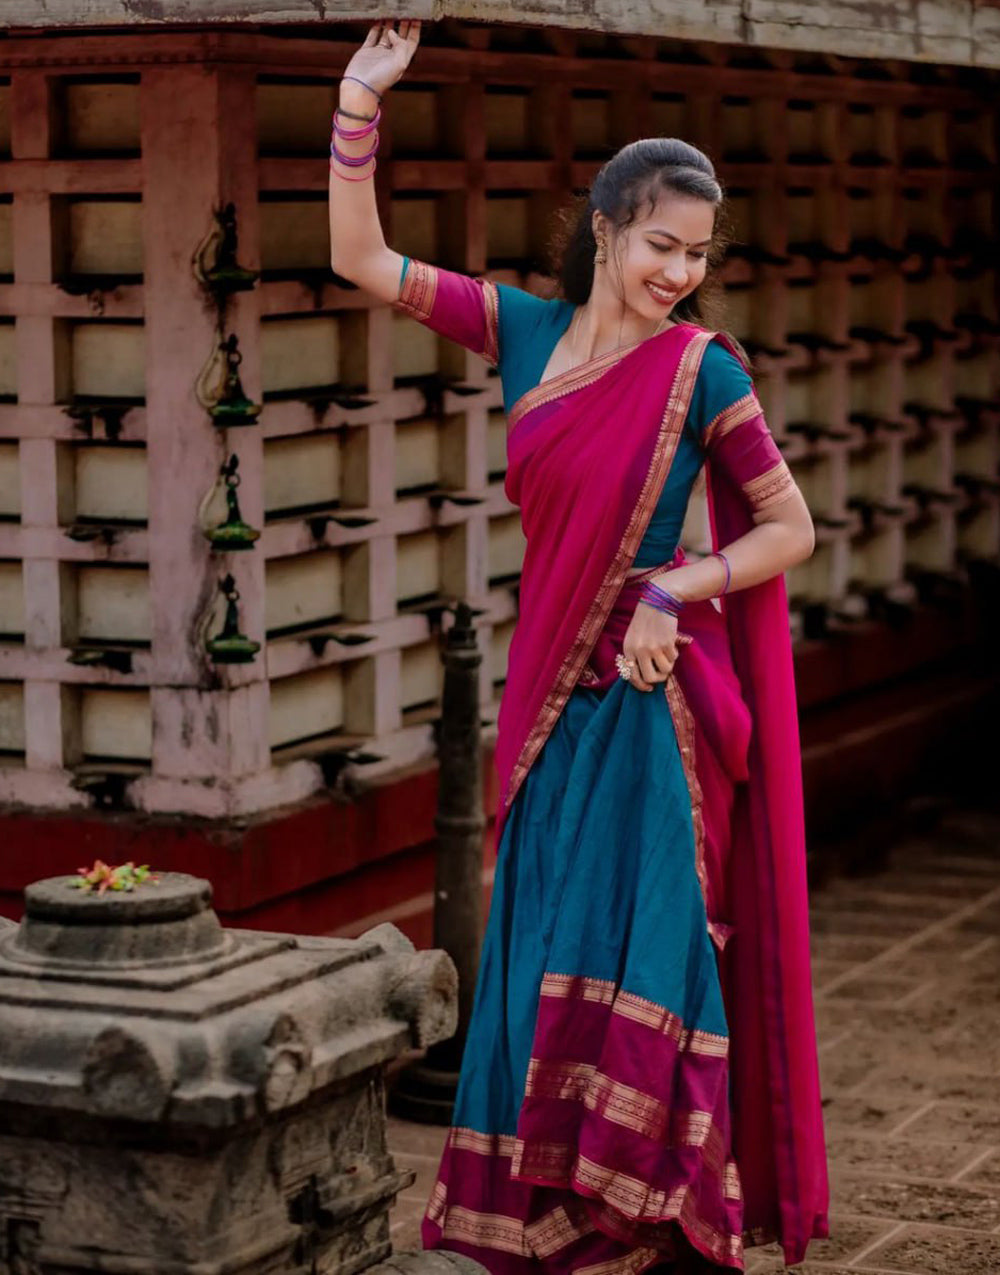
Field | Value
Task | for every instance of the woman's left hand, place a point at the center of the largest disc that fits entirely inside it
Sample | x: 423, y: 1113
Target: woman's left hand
x: 652, y: 644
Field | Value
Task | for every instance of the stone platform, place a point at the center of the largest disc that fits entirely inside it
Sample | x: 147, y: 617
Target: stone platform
x: 907, y: 978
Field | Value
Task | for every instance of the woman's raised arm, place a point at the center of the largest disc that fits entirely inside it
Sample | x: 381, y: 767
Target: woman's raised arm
x: 358, y: 250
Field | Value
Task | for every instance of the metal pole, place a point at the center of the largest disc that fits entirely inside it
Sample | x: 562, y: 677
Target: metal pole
x: 426, y: 1091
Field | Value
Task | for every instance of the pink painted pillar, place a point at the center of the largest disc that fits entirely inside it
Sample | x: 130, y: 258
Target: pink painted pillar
x: 51, y: 735
x: 209, y: 722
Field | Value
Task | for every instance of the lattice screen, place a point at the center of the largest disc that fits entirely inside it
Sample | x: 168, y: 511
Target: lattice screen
x: 863, y: 281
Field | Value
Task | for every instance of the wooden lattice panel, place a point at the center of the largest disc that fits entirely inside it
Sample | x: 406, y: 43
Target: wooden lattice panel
x: 861, y: 278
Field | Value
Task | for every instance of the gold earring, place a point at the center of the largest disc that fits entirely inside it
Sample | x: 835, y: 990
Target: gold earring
x: 601, y: 255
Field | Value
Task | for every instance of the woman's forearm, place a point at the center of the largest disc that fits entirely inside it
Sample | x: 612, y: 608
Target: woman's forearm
x: 355, y: 230
x: 358, y: 250
x: 767, y: 550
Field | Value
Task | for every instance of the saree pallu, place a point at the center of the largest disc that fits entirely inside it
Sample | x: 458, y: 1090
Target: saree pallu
x: 640, y: 1081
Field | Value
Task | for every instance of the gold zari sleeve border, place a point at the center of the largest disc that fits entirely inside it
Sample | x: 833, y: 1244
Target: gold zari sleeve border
x: 769, y: 488
x: 418, y: 290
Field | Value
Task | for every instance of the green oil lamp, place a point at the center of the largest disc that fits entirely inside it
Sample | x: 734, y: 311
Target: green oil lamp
x: 231, y: 646
x: 227, y: 275
x: 234, y: 534
x: 232, y: 407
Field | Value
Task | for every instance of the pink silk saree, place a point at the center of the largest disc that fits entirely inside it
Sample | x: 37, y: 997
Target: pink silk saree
x: 588, y: 455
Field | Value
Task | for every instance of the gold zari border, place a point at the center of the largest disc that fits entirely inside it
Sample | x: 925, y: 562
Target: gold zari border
x: 578, y: 987
x: 567, y: 1081
x: 560, y: 1164
x: 491, y: 305
x: 499, y: 1144
x: 684, y: 730
x: 624, y: 1105
x: 555, y: 1162
x: 769, y: 488
x: 617, y: 1102
x: 636, y: 1009
x: 438, y: 1203
x: 418, y: 290
x: 554, y: 1231
x: 491, y: 1230
x: 565, y: 383
x: 744, y: 409
x: 635, y: 1200
x: 552, y: 1160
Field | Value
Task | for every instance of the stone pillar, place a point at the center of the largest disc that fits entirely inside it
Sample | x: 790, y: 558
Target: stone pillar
x: 426, y: 1091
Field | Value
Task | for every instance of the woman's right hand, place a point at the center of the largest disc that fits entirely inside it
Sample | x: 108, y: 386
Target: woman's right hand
x: 384, y: 56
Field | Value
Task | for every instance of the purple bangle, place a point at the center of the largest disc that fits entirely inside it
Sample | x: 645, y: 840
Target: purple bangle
x: 355, y: 134
x: 660, y: 599
x: 353, y: 161
x: 729, y: 572
x: 659, y: 606
x: 662, y: 594
x: 375, y: 93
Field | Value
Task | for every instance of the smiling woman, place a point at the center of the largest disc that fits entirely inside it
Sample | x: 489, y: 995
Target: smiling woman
x: 639, y: 1087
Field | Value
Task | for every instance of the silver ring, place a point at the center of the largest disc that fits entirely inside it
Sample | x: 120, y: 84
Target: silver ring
x: 625, y: 668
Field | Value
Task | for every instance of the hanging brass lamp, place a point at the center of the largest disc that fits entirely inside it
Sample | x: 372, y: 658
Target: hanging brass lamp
x: 231, y: 646
x: 232, y: 535
x: 232, y: 407
x: 225, y: 275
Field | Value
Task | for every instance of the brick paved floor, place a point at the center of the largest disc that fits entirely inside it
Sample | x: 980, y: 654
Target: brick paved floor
x: 907, y: 978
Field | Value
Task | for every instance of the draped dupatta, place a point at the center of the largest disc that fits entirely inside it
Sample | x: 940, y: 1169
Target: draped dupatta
x: 588, y: 455
x: 777, y: 1120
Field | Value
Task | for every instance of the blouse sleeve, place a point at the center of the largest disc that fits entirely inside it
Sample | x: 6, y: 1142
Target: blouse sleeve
x: 461, y: 308
x: 734, y: 434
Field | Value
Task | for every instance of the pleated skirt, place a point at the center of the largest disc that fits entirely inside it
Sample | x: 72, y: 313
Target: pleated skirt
x: 591, y: 1131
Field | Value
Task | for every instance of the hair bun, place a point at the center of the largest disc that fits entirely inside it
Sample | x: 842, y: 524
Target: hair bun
x: 638, y: 173
x: 673, y: 152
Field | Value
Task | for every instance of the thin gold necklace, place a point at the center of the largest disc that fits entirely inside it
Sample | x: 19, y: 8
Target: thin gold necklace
x: 574, y: 326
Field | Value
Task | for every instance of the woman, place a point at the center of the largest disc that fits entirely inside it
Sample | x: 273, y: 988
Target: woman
x: 648, y: 922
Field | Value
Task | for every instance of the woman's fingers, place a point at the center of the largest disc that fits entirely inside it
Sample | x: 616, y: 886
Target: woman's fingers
x: 651, y: 667
x: 648, y: 671
x: 372, y: 38
x: 663, y: 661
x: 638, y: 682
x: 405, y: 39
x: 636, y: 678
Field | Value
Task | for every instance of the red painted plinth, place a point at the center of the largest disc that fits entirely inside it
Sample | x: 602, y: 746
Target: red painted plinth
x: 328, y: 866
x: 882, y: 710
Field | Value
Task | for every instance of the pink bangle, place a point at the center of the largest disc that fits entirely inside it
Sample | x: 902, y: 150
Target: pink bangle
x: 729, y: 572
x: 346, y: 177
x: 353, y: 161
x: 355, y: 134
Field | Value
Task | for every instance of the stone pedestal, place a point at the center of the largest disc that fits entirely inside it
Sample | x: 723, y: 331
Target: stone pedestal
x: 181, y: 1099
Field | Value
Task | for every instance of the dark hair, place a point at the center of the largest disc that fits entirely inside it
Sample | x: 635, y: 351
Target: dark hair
x: 636, y: 176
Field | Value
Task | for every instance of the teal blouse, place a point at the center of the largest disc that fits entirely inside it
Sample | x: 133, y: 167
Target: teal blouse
x: 530, y: 327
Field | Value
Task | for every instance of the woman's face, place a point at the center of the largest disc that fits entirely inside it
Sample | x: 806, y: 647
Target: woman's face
x: 662, y: 256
